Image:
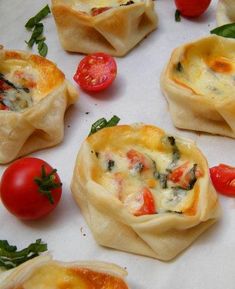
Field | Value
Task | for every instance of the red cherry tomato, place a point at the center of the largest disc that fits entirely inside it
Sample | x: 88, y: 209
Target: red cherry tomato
x: 136, y: 158
x: 148, y: 206
x: 192, y: 8
x: 96, y: 72
x: 223, y: 179
x: 30, y: 188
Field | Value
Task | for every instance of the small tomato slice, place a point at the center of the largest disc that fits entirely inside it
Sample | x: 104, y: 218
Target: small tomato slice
x: 96, y: 72
x: 148, y: 206
x: 97, y: 11
x: 137, y: 160
x: 30, y: 188
x: 192, y: 8
x: 223, y: 179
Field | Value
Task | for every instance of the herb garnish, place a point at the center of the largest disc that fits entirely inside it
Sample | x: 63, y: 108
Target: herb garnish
x: 175, y: 151
x: 11, y: 258
x: 179, y: 67
x: 227, y: 30
x: 111, y: 164
x: 102, y: 123
x: 37, y: 35
x: 177, y: 15
x: 46, y: 183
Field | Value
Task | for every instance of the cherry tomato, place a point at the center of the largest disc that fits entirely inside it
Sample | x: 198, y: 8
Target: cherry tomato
x: 223, y: 179
x: 192, y: 8
x: 96, y: 72
x: 148, y: 206
x: 30, y: 188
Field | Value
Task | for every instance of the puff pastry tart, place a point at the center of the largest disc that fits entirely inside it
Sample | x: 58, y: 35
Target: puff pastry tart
x: 111, y: 26
x: 143, y: 191
x: 198, y: 82
x: 225, y: 12
x: 44, y: 273
x: 34, y: 95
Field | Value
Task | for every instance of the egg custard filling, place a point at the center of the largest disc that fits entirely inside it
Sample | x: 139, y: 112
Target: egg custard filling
x: 25, y: 80
x: 207, y: 68
x: 149, y: 181
x: 54, y: 276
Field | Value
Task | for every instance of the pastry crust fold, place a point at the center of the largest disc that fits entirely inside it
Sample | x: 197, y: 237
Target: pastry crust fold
x: 160, y: 235
x: 198, y: 82
x: 43, y: 272
x: 115, y: 31
x: 225, y: 12
x: 41, y: 124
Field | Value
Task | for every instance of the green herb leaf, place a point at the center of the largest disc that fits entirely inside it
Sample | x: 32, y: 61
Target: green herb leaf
x: 102, y: 123
x: 179, y: 67
x: 37, y: 32
x: 42, y: 48
x: 38, y: 17
x: 110, y: 165
x: 10, y: 257
x: 177, y: 15
x: 227, y: 30
x: 47, y: 183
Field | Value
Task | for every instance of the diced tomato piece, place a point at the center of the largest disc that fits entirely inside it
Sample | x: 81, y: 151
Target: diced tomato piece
x: 176, y: 175
x: 97, y: 11
x: 135, y: 158
x: 3, y: 107
x: 148, y: 206
x: 4, y: 85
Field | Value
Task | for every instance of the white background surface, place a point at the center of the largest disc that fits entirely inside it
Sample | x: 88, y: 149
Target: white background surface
x: 134, y: 97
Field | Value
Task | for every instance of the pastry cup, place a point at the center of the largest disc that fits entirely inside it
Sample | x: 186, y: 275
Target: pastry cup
x: 198, y: 82
x: 115, y: 31
x: 225, y: 12
x: 40, y: 123
x: 43, y: 272
x: 160, y: 235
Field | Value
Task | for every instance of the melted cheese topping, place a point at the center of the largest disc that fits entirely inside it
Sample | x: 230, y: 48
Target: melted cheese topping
x: 87, y: 6
x: 207, y: 68
x: 26, y: 79
x: 56, y: 277
x: 148, y: 181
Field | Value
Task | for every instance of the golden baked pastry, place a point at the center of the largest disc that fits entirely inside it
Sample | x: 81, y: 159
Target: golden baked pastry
x: 34, y: 95
x: 111, y: 26
x: 198, y: 83
x: 44, y: 273
x: 225, y: 12
x: 143, y: 191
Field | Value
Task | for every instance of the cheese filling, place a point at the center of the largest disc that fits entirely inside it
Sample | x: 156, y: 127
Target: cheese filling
x: 96, y: 7
x: 52, y: 276
x: 207, y: 72
x: 149, y: 182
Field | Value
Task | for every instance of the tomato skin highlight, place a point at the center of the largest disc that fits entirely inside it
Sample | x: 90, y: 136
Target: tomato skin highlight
x: 223, y: 179
x: 192, y: 8
x: 20, y: 193
x: 96, y: 72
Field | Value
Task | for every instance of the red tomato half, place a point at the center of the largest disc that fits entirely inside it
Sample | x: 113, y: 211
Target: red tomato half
x: 223, y: 179
x: 96, y: 72
x: 30, y: 188
x: 192, y: 8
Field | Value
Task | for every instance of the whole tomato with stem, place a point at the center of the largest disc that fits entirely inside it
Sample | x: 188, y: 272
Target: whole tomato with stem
x: 192, y: 8
x: 30, y: 188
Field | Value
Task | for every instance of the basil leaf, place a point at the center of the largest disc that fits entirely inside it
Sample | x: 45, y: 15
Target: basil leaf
x: 37, y: 32
x: 227, y: 30
x: 38, y: 17
x: 113, y: 121
x: 42, y: 48
x: 10, y: 257
x: 102, y: 123
x: 177, y: 15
